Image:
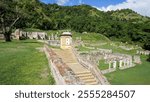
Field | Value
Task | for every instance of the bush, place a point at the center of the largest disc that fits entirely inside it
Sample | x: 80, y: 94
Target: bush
x: 148, y: 58
x: 22, y: 38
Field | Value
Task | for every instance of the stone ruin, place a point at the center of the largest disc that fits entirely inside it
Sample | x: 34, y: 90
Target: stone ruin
x: 115, y: 60
x: 127, y: 48
x: 53, y: 40
x: 145, y: 52
x: 30, y: 35
x: 89, y: 61
x: 137, y: 59
x: 2, y: 37
x: 93, y: 57
x: 78, y: 41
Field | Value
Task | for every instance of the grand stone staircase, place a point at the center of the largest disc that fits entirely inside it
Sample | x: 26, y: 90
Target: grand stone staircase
x: 82, y: 73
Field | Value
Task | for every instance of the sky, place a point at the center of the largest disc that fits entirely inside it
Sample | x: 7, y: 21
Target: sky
x: 140, y: 6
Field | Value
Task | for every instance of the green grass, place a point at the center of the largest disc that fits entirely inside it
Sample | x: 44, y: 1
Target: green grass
x: 138, y: 75
x: 117, y: 49
x: 102, y: 65
x: 82, y: 48
x: 90, y: 37
x: 21, y: 63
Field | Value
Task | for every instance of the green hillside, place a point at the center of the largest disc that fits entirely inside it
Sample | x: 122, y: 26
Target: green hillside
x: 128, y: 15
x: 121, y: 25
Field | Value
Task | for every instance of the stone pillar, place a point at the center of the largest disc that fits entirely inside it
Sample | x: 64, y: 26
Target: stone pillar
x: 114, y: 64
x: 125, y: 63
x: 17, y: 34
x: 49, y: 37
x: 137, y: 52
x: 56, y: 38
x: 52, y: 37
x: 128, y: 63
x: 21, y: 33
x: 137, y: 59
x: 120, y: 64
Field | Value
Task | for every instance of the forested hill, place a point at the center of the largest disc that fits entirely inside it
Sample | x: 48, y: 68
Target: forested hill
x: 128, y: 15
x: 125, y: 25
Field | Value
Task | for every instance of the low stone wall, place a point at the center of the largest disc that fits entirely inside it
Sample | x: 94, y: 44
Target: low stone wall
x: 58, y: 78
x: 54, y: 42
x: 108, y: 70
x: 2, y: 37
x: 145, y: 52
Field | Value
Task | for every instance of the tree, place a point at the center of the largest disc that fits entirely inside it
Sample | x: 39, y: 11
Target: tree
x: 8, y: 17
x: 148, y: 58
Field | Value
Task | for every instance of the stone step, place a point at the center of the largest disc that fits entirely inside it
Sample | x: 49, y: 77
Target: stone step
x: 84, y: 75
x: 83, y: 72
x: 87, y: 77
x: 92, y: 83
x: 89, y: 80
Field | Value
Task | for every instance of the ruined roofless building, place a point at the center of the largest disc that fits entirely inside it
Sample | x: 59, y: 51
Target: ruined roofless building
x: 66, y: 40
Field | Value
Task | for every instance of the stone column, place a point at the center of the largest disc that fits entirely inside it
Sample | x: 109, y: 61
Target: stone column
x: 56, y: 38
x: 128, y: 63
x: 21, y: 33
x: 114, y: 64
x: 125, y: 63
x: 137, y: 52
x: 49, y: 37
x: 120, y: 64
x: 52, y: 37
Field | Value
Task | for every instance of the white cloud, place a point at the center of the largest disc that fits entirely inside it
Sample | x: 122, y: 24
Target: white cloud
x: 140, y: 6
x: 81, y: 2
x: 62, y: 2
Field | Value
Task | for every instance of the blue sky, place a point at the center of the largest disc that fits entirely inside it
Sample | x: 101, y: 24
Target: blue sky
x: 140, y: 6
x: 97, y: 3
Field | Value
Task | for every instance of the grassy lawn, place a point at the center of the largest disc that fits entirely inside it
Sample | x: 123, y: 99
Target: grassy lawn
x: 102, y: 65
x: 139, y: 75
x: 117, y: 49
x: 21, y: 63
x: 91, y: 37
x: 81, y: 48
